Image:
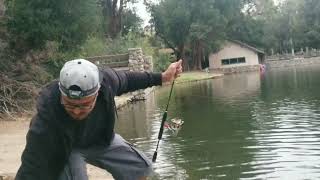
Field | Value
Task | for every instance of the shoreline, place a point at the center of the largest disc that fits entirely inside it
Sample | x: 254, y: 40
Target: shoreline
x: 194, y: 76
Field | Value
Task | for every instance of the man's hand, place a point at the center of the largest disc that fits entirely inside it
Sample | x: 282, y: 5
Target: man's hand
x: 172, y: 72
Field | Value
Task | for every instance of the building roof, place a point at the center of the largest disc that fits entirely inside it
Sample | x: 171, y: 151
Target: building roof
x: 247, y: 46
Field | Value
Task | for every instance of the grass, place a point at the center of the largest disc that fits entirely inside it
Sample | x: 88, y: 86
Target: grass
x: 196, y: 76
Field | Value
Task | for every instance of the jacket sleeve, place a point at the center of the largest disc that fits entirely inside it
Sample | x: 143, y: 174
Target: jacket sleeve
x: 38, y: 156
x: 127, y: 81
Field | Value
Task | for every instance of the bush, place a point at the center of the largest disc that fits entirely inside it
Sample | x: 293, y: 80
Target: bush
x: 122, y: 44
x: 55, y: 63
x: 98, y: 46
x: 162, y: 61
x: 94, y: 46
x: 32, y: 22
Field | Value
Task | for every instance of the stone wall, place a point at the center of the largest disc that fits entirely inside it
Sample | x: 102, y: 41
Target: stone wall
x: 134, y: 60
x: 302, y: 54
x: 238, y: 69
x: 139, y: 62
x: 118, y: 61
x: 292, y: 62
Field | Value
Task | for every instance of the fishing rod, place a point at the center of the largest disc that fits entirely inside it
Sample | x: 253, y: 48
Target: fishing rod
x: 164, y: 118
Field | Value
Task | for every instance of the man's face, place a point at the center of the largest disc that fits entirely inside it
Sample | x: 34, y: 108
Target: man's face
x: 79, y: 109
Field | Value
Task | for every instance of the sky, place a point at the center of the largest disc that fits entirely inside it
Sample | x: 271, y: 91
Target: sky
x: 142, y: 12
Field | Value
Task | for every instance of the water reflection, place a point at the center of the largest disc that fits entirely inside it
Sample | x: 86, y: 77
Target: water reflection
x: 288, y: 144
x: 233, y: 87
x: 243, y: 126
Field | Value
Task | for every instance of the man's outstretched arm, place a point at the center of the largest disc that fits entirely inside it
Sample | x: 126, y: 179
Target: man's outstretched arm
x: 128, y: 81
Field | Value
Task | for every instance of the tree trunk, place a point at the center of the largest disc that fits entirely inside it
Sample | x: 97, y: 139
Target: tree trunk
x: 112, y: 14
x: 197, y: 55
x: 181, y: 55
x: 112, y: 27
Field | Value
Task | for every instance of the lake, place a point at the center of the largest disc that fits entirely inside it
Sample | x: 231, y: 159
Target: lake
x: 241, y: 126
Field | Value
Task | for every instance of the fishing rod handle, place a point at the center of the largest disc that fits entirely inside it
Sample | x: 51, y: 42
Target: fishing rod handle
x: 164, y: 118
x: 154, y: 157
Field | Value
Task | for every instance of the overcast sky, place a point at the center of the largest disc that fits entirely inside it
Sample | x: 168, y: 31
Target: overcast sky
x: 142, y: 12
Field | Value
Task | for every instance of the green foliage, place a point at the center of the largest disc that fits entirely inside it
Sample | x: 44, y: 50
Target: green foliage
x: 208, y: 25
x: 123, y: 43
x: 190, y: 24
x: 94, y: 46
x: 118, y: 17
x: 247, y: 29
x: 33, y: 22
x: 98, y: 46
x: 172, y: 20
x: 6, y: 63
x: 161, y: 61
x: 311, y: 23
x: 155, y: 41
x: 131, y: 22
x: 261, y: 23
x: 55, y: 62
x: 293, y: 24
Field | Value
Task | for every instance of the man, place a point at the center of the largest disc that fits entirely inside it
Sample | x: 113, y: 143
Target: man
x: 75, y: 120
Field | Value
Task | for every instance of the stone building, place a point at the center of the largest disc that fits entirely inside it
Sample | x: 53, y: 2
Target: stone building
x: 236, y: 56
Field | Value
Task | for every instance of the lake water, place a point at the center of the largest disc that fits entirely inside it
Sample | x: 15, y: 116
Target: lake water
x: 242, y: 126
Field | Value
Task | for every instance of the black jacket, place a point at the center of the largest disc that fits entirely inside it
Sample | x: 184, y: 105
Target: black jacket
x: 50, y: 137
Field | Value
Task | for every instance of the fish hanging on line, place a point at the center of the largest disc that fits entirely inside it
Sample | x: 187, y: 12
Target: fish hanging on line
x: 174, y: 125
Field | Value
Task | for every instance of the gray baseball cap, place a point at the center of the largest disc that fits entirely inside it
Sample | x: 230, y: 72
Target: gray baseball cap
x: 79, y: 78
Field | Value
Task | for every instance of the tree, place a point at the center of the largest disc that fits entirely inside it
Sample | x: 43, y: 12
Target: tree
x: 206, y: 31
x: 113, y: 12
x: 247, y: 23
x: 311, y: 23
x: 199, y: 27
x: 33, y: 22
x: 131, y: 22
x: 172, y: 21
x: 189, y: 25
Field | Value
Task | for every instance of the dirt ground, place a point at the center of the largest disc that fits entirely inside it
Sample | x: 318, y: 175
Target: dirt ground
x: 12, y: 142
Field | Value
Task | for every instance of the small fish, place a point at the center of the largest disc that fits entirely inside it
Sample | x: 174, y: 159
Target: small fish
x: 174, y: 125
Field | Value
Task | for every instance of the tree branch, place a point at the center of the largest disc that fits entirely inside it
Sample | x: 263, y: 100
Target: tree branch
x: 168, y: 43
